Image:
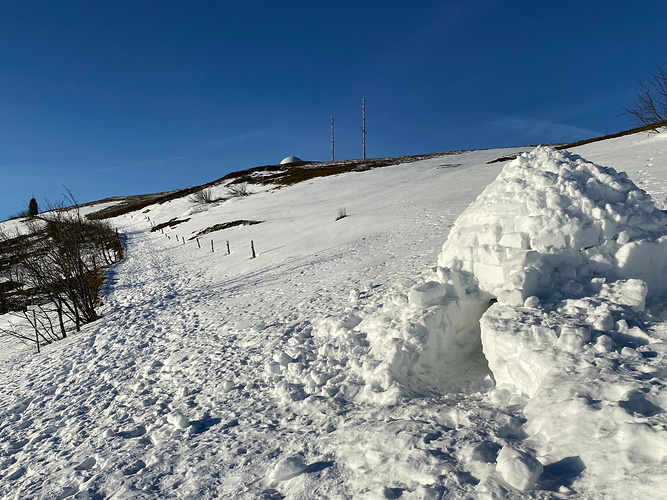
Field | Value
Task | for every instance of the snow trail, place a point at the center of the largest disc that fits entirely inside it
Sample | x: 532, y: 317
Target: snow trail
x: 220, y: 376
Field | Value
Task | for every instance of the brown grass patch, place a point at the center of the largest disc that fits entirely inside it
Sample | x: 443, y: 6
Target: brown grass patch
x: 226, y: 225
x: 171, y: 223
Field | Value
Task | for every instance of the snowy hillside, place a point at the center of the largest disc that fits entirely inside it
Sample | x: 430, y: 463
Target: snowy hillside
x: 468, y: 330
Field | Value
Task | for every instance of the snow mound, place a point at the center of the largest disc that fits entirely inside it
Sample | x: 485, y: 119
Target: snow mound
x: 551, y: 227
x: 550, y: 222
x: 571, y: 250
x: 542, y: 285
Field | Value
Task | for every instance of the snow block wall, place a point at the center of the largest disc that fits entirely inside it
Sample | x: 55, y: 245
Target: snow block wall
x: 542, y: 284
x: 550, y: 222
x: 552, y: 227
x: 571, y: 251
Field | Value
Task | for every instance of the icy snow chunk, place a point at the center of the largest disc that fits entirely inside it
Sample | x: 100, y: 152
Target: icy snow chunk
x: 604, y: 343
x: 532, y: 302
x: 288, y: 467
x: 456, y: 284
x: 573, y: 338
x: 519, y: 469
x: 427, y: 294
x: 631, y: 293
x: 491, y: 274
x: 646, y: 260
x: 272, y: 367
x: 282, y: 358
x: 514, y: 240
x: 177, y: 419
x: 630, y: 353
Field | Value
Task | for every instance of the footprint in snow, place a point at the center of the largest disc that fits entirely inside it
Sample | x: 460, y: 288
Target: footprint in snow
x: 16, y: 445
x: 132, y: 433
x: 68, y: 492
x: 16, y: 474
x: 134, y: 468
x: 25, y: 424
x: 87, y: 464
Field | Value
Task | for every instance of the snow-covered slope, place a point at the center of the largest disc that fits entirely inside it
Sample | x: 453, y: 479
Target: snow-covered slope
x: 340, y: 363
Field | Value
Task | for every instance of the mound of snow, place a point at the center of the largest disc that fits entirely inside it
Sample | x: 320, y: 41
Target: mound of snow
x: 547, y: 273
x: 552, y: 220
x: 552, y: 226
x: 571, y: 250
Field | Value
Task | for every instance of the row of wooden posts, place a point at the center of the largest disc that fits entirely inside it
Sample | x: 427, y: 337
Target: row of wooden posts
x: 252, y: 243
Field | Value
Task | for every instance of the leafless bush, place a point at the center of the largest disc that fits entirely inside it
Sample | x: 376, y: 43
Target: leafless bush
x: 651, y: 101
x: 203, y: 196
x: 341, y: 213
x: 57, y: 265
x: 238, y: 190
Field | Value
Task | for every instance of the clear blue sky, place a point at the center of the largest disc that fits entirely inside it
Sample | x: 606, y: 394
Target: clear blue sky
x: 133, y: 96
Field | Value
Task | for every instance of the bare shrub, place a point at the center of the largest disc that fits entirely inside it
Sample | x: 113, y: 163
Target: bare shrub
x: 651, y: 101
x: 238, y: 190
x: 341, y: 213
x: 203, y: 196
x: 57, y: 267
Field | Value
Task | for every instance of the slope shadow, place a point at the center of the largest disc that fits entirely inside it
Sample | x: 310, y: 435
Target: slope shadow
x: 561, y: 473
x: 317, y: 467
x: 204, y: 424
x: 638, y: 404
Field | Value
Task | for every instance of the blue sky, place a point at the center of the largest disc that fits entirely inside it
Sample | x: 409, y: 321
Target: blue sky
x: 129, y: 97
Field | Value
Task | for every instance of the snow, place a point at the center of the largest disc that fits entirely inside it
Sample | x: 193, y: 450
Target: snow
x: 519, y: 469
x: 469, y: 330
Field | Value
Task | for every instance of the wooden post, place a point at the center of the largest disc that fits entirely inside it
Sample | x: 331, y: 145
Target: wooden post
x: 198, y: 244
x: 252, y: 247
x: 34, y: 322
x: 212, y: 247
x: 228, y: 250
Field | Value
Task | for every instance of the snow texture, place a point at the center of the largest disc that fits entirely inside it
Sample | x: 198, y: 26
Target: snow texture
x: 530, y: 362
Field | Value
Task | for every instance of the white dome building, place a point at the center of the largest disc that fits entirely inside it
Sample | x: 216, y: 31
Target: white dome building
x: 290, y: 159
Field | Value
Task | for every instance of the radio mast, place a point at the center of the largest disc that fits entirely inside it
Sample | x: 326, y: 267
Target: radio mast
x: 332, y: 139
x: 363, y: 128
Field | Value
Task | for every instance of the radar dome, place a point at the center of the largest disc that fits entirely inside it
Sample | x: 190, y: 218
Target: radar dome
x: 290, y: 159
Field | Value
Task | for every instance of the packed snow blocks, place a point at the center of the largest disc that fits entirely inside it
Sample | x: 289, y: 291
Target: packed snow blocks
x: 552, y: 234
x: 553, y: 231
x: 542, y: 286
x: 554, y: 228
x: 566, y: 254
